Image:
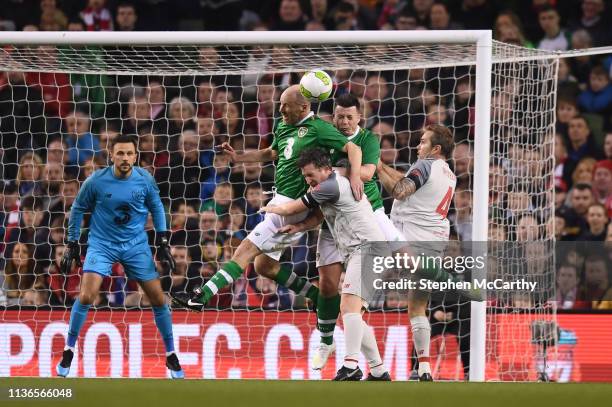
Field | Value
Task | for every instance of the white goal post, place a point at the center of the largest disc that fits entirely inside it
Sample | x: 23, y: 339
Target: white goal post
x: 483, y: 60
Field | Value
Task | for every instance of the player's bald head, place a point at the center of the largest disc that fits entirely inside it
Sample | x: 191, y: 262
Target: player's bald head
x: 293, y: 95
x: 293, y: 105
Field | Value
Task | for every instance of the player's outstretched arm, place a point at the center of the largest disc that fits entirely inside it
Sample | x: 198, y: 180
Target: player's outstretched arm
x: 388, y: 176
x: 313, y: 220
x: 286, y: 209
x: 354, y: 156
x: 258, y: 156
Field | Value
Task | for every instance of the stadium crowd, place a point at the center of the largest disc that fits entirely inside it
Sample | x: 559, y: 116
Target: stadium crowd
x: 56, y: 129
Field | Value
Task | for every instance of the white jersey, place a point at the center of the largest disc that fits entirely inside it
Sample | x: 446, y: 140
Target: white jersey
x: 423, y: 215
x: 351, y: 223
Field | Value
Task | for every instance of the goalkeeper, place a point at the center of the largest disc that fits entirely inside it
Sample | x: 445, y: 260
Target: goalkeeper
x: 300, y: 129
x: 120, y: 198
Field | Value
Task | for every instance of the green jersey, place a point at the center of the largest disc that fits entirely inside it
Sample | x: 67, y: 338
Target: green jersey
x: 289, y: 142
x: 370, y: 153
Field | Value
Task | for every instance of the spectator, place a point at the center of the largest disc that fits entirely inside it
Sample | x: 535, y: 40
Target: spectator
x: 181, y: 214
x: 560, y: 155
x: 345, y: 17
x: 181, y: 115
x: 207, y: 225
x: 178, y: 279
x: 598, y: 97
x: 567, y: 109
x: 54, y: 86
x: 422, y: 10
x: 581, y: 144
x: 597, y: 220
x: 440, y: 18
x: 53, y: 176
x: 406, y: 20
x: 602, y: 180
x: 231, y: 121
x: 581, y: 65
x: 567, y: 84
x: 463, y: 160
x: 436, y: 114
x: 126, y: 17
x: 21, y: 284
x: 527, y: 229
x: 583, y: 173
x: 237, y: 222
x: 596, y: 280
x: 204, y: 99
x: 219, y: 173
x: 608, y: 146
x: 461, y: 218
x: 51, y: 17
x: 155, y: 94
x: 291, y: 16
x: 254, y: 201
x: 138, y: 115
x: 82, y: 144
x: 592, y: 20
x: 221, y: 200
x: 22, y: 123
x: 378, y: 98
x: 68, y: 192
x: 96, y: 16
x: 568, y: 280
x: 555, y: 38
x: 508, y: 29
x: 318, y: 10
x: 581, y: 197
x: 265, y: 114
x: 29, y: 175
x: 106, y: 137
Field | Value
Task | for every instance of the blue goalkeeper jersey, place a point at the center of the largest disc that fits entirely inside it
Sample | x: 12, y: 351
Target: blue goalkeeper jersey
x: 119, y: 206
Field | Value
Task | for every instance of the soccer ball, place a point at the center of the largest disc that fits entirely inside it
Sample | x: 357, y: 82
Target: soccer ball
x: 316, y: 85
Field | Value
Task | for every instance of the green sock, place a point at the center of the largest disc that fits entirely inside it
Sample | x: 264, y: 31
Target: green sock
x: 327, y: 314
x: 229, y: 273
x: 299, y: 285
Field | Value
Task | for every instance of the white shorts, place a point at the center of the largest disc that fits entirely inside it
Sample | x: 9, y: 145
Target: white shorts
x: 265, y: 235
x: 352, y: 277
x: 327, y: 252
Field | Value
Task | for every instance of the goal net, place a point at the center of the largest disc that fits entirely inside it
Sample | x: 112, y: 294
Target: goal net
x: 61, y: 105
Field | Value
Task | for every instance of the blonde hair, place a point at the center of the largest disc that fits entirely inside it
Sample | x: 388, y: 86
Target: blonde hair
x: 38, y: 165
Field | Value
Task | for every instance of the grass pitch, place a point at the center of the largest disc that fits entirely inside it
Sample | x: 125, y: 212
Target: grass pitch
x: 256, y: 393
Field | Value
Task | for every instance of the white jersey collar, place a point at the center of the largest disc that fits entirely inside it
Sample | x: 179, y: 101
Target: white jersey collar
x: 308, y: 116
x: 354, y: 134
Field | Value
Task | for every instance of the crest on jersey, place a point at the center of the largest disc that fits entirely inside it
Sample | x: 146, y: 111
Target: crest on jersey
x: 139, y: 195
x: 302, y: 131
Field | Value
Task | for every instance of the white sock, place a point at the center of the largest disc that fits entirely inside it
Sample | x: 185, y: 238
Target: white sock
x: 169, y: 353
x: 69, y: 347
x: 369, y: 348
x: 421, y: 334
x: 353, y: 333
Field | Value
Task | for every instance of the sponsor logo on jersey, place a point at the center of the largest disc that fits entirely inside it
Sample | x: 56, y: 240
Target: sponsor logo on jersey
x: 108, y: 195
x: 302, y: 131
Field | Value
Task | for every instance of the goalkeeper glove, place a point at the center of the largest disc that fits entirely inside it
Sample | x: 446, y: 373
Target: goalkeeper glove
x: 163, y: 250
x: 72, y: 252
